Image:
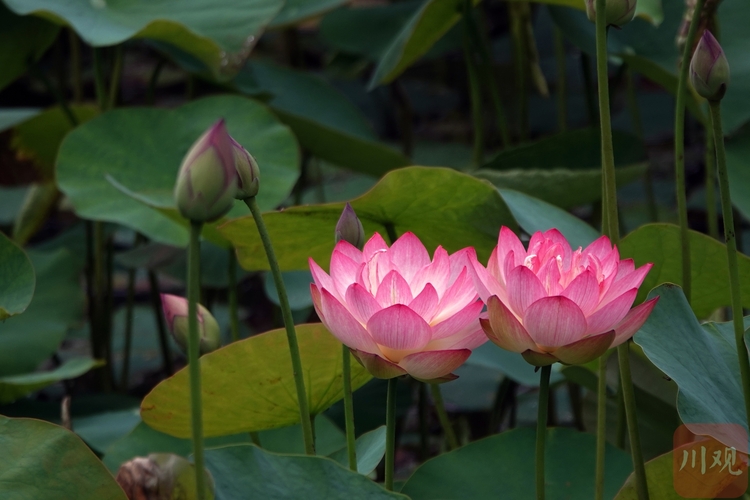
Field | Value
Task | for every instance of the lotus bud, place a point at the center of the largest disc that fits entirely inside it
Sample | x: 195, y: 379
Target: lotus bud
x: 207, y: 180
x: 161, y: 476
x: 618, y: 12
x: 176, y: 312
x: 248, y: 173
x: 709, y: 69
x: 349, y: 228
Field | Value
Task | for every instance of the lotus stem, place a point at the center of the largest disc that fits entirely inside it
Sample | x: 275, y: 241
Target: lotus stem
x: 390, y: 433
x: 351, y: 449
x: 128, y: 330
x: 562, y: 87
x: 450, y: 434
x: 730, y: 237
x: 475, y: 91
x: 161, y: 328
x: 234, y: 320
x: 196, y: 407
x: 711, y: 215
x: 541, y: 429
x: 601, y: 427
x: 291, y: 333
x: 114, y: 82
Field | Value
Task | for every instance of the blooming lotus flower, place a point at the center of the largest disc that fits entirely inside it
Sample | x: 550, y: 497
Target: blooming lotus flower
x: 248, y: 173
x: 551, y: 303
x: 398, y: 311
x: 176, y: 312
x: 617, y: 12
x: 207, y: 181
x: 709, y: 69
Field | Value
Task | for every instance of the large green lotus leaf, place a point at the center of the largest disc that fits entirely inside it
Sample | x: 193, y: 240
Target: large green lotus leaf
x: 142, y: 148
x: 325, y: 122
x: 502, y: 466
x: 43, y: 460
x: 535, y: 215
x: 431, y: 202
x: 246, y: 471
x: 660, y: 244
x: 102, y: 430
x: 738, y: 167
x: 220, y: 33
x: 659, y: 475
x: 38, y: 138
x: 574, y: 150
x: 24, y: 41
x: 701, y: 359
x: 28, y: 339
x: 561, y: 187
x: 13, y: 387
x: 16, y: 279
x: 296, y: 11
x: 269, y: 397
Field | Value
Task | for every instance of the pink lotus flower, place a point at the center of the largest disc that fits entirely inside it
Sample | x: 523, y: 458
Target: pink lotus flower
x: 551, y: 303
x: 398, y: 311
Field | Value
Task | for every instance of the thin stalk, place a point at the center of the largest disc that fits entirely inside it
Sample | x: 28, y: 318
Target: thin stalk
x: 351, y: 450
x: 98, y: 328
x: 635, y: 117
x: 291, y: 334
x: 711, y: 215
x: 234, y: 320
x: 475, y: 92
x: 129, y: 304
x: 562, y: 81
x: 541, y: 429
x: 56, y: 93
x: 114, y: 82
x: 194, y: 286
x: 255, y: 439
x: 628, y: 395
x: 75, y: 65
x: 424, y: 431
x: 161, y: 328
x: 406, y: 117
x: 151, y: 92
x: 520, y: 56
x: 503, y: 397
x: 730, y: 236
x: 390, y: 433
x: 601, y: 427
x: 679, y: 149
x: 588, y: 86
x: 450, y: 434
x: 622, y: 424
x: 101, y: 96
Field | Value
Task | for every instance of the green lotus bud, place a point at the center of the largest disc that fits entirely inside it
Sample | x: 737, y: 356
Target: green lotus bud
x: 176, y: 312
x: 709, y: 69
x: 162, y: 476
x: 349, y: 228
x: 207, y: 180
x: 248, y: 172
x: 618, y: 12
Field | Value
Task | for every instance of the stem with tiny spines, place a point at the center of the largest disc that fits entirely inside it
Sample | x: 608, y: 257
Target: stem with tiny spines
x: 601, y: 427
x: 351, y: 450
x: 390, y: 433
x: 234, y: 321
x: 475, y: 91
x: 450, y: 434
x: 541, y: 429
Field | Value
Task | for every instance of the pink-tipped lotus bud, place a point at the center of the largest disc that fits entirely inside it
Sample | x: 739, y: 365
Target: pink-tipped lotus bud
x: 176, y: 313
x: 207, y: 180
x: 161, y: 476
x: 350, y: 229
x: 709, y: 69
x: 248, y: 172
x: 618, y: 12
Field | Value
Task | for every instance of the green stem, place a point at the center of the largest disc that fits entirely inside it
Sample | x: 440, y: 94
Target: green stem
x: 730, y: 237
x: 475, y: 92
x: 75, y: 65
x: 424, y: 431
x: 255, y: 439
x: 405, y: 117
x: 635, y: 117
x: 130, y: 302
x: 450, y: 434
x: 56, y: 93
x: 628, y: 396
x: 588, y: 86
x: 161, y: 328
x: 151, y: 92
x: 194, y: 288
x: 234, y: 320
x: 521, y: 62
x: 601, y: 427
x: 622, y: 424
x: 291, y: 334
x: 114, y: 82
x: 562, y: 81
x: 541, y: 429
x: 101, y: 96
x: 351, y: 449
x: 679, y: 150
x: 711, y: 215
x: 390, y: 433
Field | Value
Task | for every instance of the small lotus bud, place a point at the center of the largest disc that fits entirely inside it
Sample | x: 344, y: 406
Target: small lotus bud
x: 349, y: 228
x: 176, y: 312
x: 161, y: 476
x: 709, y: 69
x: 618, y: 12
x: 248, y: 172
x: 207, y: 180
